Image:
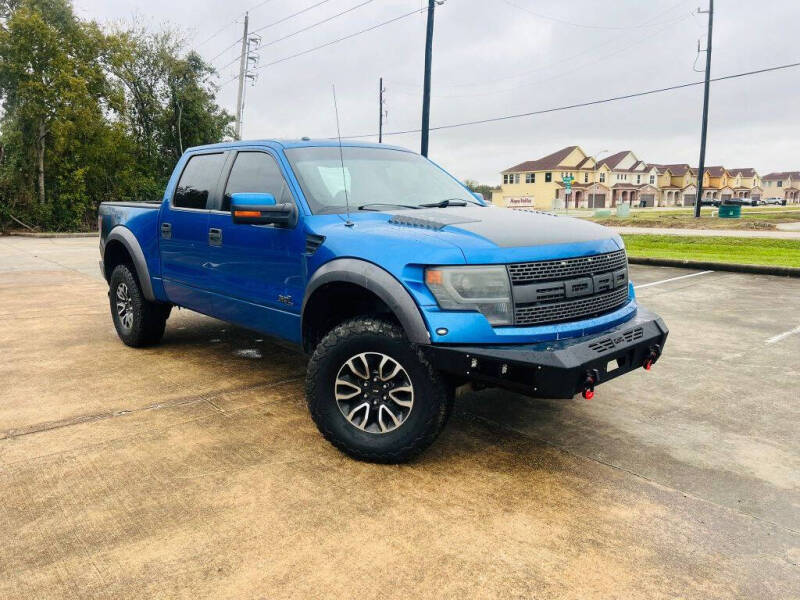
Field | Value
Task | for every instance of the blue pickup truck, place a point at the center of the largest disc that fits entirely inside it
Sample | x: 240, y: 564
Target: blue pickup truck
x: 397, y: 282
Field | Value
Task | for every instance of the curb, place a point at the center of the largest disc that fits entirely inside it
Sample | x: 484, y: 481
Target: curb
x: 716, y: 266
x: 52, y: 234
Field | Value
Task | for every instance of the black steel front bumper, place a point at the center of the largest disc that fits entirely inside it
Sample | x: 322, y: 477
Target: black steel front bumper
x: 558, y: 369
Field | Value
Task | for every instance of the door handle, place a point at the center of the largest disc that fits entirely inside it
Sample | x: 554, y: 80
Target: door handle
x: 166, y: 231
x: 215, y: 236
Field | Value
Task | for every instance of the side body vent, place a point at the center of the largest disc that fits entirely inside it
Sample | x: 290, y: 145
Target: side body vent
x: 313, y: 242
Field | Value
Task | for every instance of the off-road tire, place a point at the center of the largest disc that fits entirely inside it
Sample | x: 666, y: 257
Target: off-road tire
x: 148, y: 318
x: 432, y: 401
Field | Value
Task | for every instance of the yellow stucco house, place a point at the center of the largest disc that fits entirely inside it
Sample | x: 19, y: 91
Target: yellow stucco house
x: 677, y: 184
x: 536, y: 183
x: 746, y: 183
x: 623, y: 178
x: 619, y: 178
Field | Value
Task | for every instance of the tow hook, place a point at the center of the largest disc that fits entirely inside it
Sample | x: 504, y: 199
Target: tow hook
x: 591, y: 379
x: 655, y: 352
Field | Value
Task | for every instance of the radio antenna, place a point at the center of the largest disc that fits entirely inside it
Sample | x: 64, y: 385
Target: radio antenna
x: 348, y: 222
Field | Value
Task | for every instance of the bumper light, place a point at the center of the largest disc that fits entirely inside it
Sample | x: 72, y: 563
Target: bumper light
x: 484, y: 289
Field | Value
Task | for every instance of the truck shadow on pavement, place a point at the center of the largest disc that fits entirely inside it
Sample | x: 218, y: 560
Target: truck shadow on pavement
x: 244, y: 359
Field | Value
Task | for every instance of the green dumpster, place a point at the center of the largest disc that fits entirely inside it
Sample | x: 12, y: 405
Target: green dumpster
x: 730, y: 211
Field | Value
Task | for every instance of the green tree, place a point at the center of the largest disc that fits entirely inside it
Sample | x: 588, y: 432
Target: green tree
x: 170, y: 103
x: 90, y: 115
x: 49, y: 72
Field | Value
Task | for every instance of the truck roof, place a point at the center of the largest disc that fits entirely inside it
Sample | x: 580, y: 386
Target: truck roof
x: 297, y: 143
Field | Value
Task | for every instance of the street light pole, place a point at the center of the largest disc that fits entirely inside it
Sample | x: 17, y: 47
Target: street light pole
x: 701, y: 170
x: 426, y: 92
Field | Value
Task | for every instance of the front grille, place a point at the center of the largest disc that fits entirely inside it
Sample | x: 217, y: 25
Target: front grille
x: 583, y: 308
x: 570, y: 267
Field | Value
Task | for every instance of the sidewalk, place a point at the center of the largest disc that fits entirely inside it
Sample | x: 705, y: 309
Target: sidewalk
x: 741, y: 233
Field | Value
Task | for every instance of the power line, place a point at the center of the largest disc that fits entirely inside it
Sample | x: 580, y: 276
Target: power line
x: 225, y: 50
x: 224, y: 27
x: 331, y: 18
x: 299, y: 31
x: 584, y: 25
x: 538, y: 82
x: 291, y: 16
x: 569, y: 59
x: 211, y: 37
x: 583, y: 104
x: 341, y: 39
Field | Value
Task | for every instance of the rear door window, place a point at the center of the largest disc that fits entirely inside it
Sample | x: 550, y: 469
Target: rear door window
x: 256, y: 172
x: 198, y: 181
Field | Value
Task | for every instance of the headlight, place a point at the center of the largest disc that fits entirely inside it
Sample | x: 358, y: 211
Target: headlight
x: 485, y: 289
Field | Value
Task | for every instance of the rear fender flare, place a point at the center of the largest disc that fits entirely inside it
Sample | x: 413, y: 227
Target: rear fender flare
x: 125, y: 236
x: 379, y: 282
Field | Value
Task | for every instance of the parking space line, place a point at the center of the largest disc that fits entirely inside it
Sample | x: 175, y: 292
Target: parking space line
x: 644, y: 285
x: 785, y: 334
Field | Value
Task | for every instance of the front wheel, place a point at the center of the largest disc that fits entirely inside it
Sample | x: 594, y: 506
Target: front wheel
x: 373, y: 395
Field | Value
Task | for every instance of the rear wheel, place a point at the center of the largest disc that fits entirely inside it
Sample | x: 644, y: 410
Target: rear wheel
x: 138, y: 321
x: 373, y: 395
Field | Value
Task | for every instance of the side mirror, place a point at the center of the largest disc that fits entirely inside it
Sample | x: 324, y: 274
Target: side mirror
x: 261, y: 209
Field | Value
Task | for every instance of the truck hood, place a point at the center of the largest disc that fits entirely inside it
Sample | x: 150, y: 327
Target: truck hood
x: 491, y: 234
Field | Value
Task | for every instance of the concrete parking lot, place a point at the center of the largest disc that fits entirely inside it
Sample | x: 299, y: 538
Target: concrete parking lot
x: 193, y: 470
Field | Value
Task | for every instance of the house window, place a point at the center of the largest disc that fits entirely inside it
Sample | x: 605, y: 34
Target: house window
x: 505, y: 178
x: 602, y: 177
x: 511, y: 178
x: 638, y: 179
x: 780, y: 183
x: 585, y: 178
x: 530, y: 177
x: 652, y: 179
x: 548, y: 177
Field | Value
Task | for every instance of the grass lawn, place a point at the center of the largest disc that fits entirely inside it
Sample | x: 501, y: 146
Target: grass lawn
x: 753, y: 251
x: 760, y: 218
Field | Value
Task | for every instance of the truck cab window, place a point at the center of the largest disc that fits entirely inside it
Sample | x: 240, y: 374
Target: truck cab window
x: 197, y: 181
x: 255, y: 172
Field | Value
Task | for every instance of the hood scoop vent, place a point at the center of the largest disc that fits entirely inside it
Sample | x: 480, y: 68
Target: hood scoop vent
x: 433, y: 219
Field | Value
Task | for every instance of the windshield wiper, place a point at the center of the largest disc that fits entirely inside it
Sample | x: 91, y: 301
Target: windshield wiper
x: 446, y: 202
x: 383, y: 204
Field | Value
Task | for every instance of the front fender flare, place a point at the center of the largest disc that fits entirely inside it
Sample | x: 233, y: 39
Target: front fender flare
x: 379, y: 282
x: 125, y: 236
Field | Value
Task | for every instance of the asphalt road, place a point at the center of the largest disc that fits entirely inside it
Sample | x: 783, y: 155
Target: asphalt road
x: 192, y: 470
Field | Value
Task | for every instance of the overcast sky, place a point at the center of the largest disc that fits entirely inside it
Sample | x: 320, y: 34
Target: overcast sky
x: 495, y: 57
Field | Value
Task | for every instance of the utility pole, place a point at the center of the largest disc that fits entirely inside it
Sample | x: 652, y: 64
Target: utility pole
x: 701, y: 170
x: 426, y: 92
x: 242, y: 70
x: 380, y: 110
